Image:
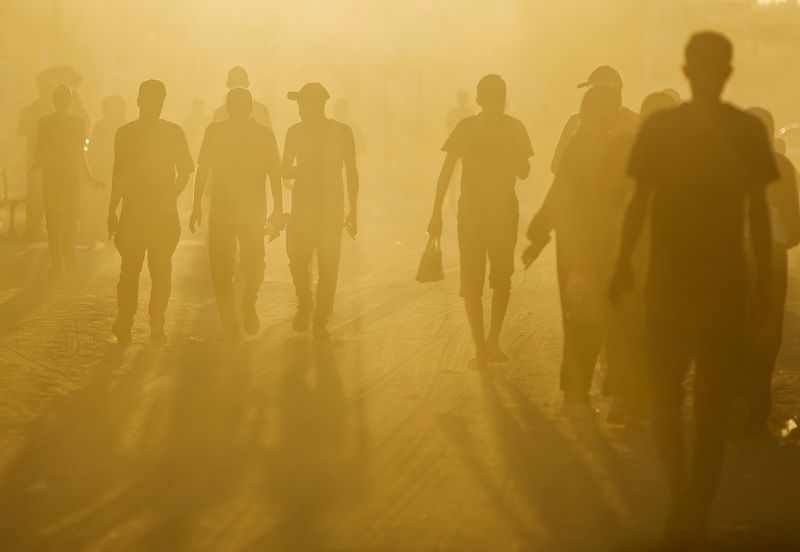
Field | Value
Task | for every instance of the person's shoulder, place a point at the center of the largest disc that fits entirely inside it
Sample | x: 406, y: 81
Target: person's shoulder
x: 173, y: 128
x: 48, y: 119
x: 513, y: 121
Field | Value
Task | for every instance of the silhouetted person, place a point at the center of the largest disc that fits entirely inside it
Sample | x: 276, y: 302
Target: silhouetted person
x: 238, y: 78
x: 152, y: 165
x: 101, y: 161
x: 494, y: 150
x: 764, y: 343
x: 240, y: 153
x: 706, y: 166
x: 60, y: 154
x: 27, y: 128
x: 625, y: 122
x: 673, y: 94
x: 316, y: 150
x: 581, y: 206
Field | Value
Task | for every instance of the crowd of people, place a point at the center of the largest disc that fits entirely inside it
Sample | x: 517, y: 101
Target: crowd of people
x: 672, y: 227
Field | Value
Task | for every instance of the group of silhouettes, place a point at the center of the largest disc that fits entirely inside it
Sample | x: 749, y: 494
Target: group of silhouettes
x: 672, y: 228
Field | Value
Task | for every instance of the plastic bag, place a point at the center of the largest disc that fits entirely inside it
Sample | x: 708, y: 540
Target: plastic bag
x: 430, y: 266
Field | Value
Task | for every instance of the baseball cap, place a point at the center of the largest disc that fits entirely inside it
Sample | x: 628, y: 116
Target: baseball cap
x: 603, y: 75
x: 310, y: 91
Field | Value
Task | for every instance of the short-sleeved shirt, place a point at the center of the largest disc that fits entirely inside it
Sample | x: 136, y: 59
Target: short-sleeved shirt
x: 702, y: 162
x: 491, y: 148
x: 60, y: 146
x: 320, y: 149
x: 240, y: 156
x: 147, y: 157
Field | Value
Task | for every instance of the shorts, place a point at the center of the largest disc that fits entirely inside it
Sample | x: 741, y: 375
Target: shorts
x: 479, y: 240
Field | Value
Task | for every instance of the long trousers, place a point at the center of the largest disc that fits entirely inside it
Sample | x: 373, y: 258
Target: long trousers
x: 223, y: 238
x: 711, y: 337
x: 303, y: 237
x: 133, y: 246
x: 61, y: 218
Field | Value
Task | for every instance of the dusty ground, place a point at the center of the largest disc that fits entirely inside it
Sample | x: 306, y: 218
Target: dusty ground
x: 386, y: 439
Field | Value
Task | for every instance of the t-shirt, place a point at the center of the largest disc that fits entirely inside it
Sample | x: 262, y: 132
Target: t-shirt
x: 491, y: 148
x: 260, y: 114
x: 147, y: 157
x: 701, y: 162
x: 240, y: 156
x: 320, y: 149
x: 60, y: 146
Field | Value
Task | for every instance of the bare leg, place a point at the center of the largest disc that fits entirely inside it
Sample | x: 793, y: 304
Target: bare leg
x: 474, y: 308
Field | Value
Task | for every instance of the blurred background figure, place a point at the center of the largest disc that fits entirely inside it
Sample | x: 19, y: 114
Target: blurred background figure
x: 101, y: 160
x: 764, y: 343
x: 238, y: 78
x: 625, y: 122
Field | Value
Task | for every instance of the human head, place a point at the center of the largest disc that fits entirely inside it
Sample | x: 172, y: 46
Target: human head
x: 708, y: 64
x: 605, y: 75
x: 237, y: 78
x: 600, y: 107
x: 766, y: 119
x: 239, y: 103
x: 114, y: 108
x: 655, y: 102
x: 674, y: 94
x: 492, y: 94
x: 151, y: 98
x: 311, y: 100
x: 62, y: 98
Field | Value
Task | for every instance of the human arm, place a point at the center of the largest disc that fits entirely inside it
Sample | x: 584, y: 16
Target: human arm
x: 445, y: 176
x: 353, y: 185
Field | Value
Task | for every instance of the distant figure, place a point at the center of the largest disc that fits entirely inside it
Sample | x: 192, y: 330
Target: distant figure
x: 152, y: 165
x: 316, y: 150
x: 195, y: 125
x: 240, y: 153
x: 27, y: 128
x: 461, y: 111
x: 626, y: 338
x: 494, y: 150
x: 60, y: 154
x: 586, y: 197
x: 706, y: 166
x: 101, y: 161
x: 764, y: 343
x: 673, y: 94
x: 238, y: 78
x: 625, y: 122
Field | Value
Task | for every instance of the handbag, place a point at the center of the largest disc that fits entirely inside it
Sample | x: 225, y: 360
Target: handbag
x: 430, y: 266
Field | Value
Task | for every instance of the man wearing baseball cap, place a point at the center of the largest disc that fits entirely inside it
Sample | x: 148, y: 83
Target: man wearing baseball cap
x: 605, y: 75
x: 316, y: 151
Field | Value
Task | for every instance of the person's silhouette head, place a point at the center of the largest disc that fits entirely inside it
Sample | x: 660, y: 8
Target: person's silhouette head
x: 600, y: 107
x: 240, y: 104
x: 238, y: 78
x: 674, y: 94
x: 766, y: 119
x: 655, y: 102
x: 114, y: 108
x: 311, y: 100
x: 708, y: 64
x: 152, y: 94
x: 463, y: 98
x: 605, y: 75
x: 62, y: 98
x: 492, y: 94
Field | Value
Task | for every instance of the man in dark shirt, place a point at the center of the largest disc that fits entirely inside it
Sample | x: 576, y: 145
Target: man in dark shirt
x: 706, y: 166
x: 316, y: 151
x: 152, y: 165
x: 60, y: 154
x: 241, y: 153
x: 494, y: 150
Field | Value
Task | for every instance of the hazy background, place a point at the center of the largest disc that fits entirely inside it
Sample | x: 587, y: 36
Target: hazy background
x: 400, y: 63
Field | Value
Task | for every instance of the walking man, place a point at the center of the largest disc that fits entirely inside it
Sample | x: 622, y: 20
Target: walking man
x: 240, y: 153
x: 494, y: 150
x: 316, y: 151
x: 706, y: 166
x: 152, y: 165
